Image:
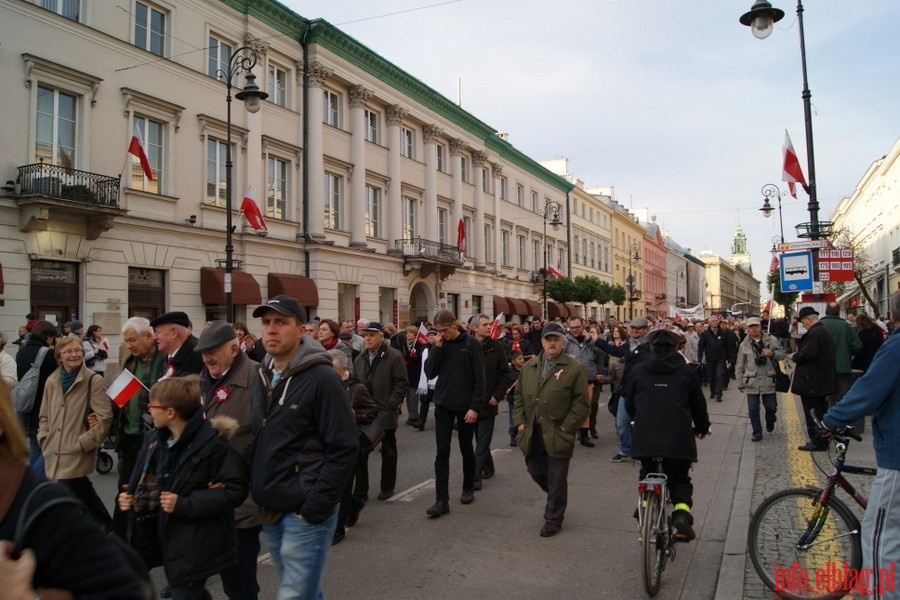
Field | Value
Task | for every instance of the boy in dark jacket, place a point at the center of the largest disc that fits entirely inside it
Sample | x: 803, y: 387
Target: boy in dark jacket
x: 668, y: 407
x: 201, y: 481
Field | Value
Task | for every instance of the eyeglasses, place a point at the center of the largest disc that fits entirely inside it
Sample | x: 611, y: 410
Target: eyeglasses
x: 159, y: 406
x: 73, y: 351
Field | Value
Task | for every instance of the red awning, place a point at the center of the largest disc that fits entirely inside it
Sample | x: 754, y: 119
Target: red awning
x: 1, y: 279
x: 534, y: 308
x: 573, y: 309
x: 244, y: 288
x: 501, y: 306
x: 556, y: 310
x: 517, y: 306
x: 296, y: 286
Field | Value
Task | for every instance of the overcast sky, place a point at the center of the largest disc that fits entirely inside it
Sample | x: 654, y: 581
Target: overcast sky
x: 675, y: 104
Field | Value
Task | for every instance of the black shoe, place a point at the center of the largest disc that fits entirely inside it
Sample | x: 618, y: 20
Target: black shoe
x: 487, y: 474
x: 467, y: 497
x: 770, y: 423
x: 550, y: 529
x: 584, y: 440
x: 756, y: 437
x: 810, y: 447
x: 339, y: 535
x: 385, y: 494
x: 594, y: 433
x: 165, y: 592
x: 415, y: 424
x: 683, y: 524
x: 441, y: 507
x: 421, y: 425
x: 718, y: 397
x: 355, y: 509
x: 476, y: 485
x: 512, y: 441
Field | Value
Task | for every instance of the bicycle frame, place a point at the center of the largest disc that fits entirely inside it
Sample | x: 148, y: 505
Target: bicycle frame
x: 655, y: 483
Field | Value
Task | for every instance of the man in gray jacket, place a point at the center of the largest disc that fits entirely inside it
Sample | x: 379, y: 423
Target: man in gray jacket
x: 580, y: 346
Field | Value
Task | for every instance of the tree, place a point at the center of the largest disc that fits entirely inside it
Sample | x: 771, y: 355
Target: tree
x: 618, y: 295
x: 587, y: 290
x: 862, y: 267
x: 786, y: 299
x: 561, y: 290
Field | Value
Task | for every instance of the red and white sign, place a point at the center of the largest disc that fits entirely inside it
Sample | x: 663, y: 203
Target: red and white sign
x: 835, y: 264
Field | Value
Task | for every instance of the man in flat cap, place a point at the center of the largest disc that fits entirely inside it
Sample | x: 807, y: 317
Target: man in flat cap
x: 226, y: 382
x: 814, y: 376
x: 668, y: 407
x: 172, y: 332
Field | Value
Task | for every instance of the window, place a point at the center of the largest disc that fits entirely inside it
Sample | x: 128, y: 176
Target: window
x: 276, y: 85
x: 219, y: 57
x: 152, y: 133
x: 606, y: 258
x: 56, y: 127
x: 464, y: 168
x: 149, y: 28
x: 408, y: 142
x: 409, y: 218
x: 485, y: 180
x: 584, y: 251
x: 536, y: 254
x: 488, y: 247
x: 576, y: 246
x: 215, y: 172
x: 372, y: 129
x: 520, y: 195
x: 593, y: 255
x: 70, y: 9
x: 443, y: 219
x: 504, y: 188
x: 470, y: 247
x: 523, y: 251
x: 276, y: 188
x: 534, y: 202
x: 441, y: 157
x: 504, y: 247
x: 373, y: 211
x: 331, y: 106
x: 333, y: 201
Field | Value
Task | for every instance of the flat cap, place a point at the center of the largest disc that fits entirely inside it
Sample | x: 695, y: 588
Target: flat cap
x: 806, y: 311
x: 753, y: 321
x: 176, y: 317
x: 552, y: 328
x: 76, y: 325
x: 220, y: 332
x: 664, y: 337
x: 639, y: 322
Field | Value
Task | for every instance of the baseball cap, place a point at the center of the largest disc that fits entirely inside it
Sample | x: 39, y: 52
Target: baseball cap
x: 552, y: 328
x: 283, y: 304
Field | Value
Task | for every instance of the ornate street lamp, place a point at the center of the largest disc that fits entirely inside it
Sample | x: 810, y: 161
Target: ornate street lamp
x: 679, y: 272
x: 551, y: 212
x: 634, y: 253
x: 243, y: 59
x: 771, y: 191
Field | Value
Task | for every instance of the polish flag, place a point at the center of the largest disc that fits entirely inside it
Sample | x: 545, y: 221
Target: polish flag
x: 422, y: 335
x: 495, y: 327
x: 251, y: 211
x: 792, y: 172
x: 136, y: 148
x: 124, y: 387
x: 774, y: 265
x: 768, y: 307
x: 461, y: 236
x: 554, y: 273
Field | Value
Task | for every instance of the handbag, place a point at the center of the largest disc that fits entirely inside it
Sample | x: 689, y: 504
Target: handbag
x: 782, y: 380
x: 370, y: 436
x: 143, y: 524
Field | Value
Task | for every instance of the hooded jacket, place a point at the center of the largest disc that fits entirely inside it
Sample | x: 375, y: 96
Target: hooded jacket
x: 668, y: 407
x: 305, y: 441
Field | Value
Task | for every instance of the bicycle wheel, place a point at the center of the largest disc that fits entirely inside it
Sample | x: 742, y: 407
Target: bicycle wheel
x: 833, y: 539
x: 653, y: 543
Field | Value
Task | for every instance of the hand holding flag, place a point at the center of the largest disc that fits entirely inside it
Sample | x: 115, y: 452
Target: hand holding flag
x: 124, y: 387
x: 422, y: 335
x: 495, y: 327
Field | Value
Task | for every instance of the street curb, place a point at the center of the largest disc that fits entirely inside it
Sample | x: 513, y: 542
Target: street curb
x: 734, y: 557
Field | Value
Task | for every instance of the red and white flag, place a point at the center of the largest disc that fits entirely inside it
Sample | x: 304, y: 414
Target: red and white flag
x: 792, y: 172
x: 774, y: 265
x: 124, y: 387
x: 768, y: 307
x: 422, y: 335
x: 251, y: 211
x: 461, y: 236
x: 556, y: 272
x: 136, y: 148
x: 495, y: 327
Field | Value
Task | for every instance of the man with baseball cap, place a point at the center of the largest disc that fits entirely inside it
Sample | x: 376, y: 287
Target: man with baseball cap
x: 304, y: 447
x: 551, y: 402
x: 814, y: 376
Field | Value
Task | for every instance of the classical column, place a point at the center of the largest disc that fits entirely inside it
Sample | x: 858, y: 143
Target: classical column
x: 498, y: 239
x: 478, y: 161
x: 316, y: 185
x: 432, y: 133
x: 456, y: 149
x: 393, y: 212
x: 355, y: 207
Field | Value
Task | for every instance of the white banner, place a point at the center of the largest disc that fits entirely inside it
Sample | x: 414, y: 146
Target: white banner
x: 695, y: 313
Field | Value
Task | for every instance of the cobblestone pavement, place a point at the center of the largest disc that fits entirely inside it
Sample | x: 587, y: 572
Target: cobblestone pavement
x: 780, y: 465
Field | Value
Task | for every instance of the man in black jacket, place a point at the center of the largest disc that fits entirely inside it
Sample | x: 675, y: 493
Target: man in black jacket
x: 304, y: 447
x: 456, y: 360
x: 496, y: 382
x: 814, y: 375
x: 719, y: 347
x: 172, y: 332
x: 42, y: 336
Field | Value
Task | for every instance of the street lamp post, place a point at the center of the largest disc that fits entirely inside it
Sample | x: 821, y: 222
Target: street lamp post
x: 679, y: 272
x: 243, y: 59
x: 770, y: 191
x: 551, y: 210
x: 634, y: 252
x: 761, y: 19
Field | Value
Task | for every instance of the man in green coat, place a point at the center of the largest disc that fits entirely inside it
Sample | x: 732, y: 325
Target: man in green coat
x: 846, y: 344
x: 550, y: 405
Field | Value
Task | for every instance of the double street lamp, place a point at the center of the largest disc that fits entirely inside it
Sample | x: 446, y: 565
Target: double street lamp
x: 242, y: 60
x: 551, y: 211
x: 634, y: 253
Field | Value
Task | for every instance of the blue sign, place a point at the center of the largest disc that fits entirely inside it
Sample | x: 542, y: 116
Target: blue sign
x: 796, y: 272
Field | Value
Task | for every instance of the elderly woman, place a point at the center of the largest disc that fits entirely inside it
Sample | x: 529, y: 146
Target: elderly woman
x: 74, y: 419
x: 8, y: 368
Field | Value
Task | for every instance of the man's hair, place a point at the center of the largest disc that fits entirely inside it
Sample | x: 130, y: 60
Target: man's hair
x: 444, y: 317
x: 476, y: 319
x: 44, y: 329
x: 179, y: 393
x: 895, y: 306
x: 832, y: 309
x: 575, y: 318
x: 140, y: 325
x: 339, y: 359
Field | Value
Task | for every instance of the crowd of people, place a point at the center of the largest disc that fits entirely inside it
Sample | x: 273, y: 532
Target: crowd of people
x: 228, y: 435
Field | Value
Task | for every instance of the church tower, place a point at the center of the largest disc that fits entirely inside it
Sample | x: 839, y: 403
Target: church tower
x: 739, y: 254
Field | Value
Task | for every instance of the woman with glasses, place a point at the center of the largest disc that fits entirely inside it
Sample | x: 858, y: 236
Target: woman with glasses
x: 74, y: 419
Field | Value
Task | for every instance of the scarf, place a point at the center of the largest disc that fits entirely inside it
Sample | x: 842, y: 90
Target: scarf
x: 67, y: 378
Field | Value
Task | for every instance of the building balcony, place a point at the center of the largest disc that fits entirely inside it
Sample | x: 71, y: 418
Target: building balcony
x: 427, y: 256
x: 48, y: 191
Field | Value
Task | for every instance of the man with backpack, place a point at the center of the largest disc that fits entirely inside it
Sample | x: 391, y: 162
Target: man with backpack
x: 42, y: 338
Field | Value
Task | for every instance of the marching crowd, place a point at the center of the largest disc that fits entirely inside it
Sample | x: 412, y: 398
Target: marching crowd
x: 226, y: 436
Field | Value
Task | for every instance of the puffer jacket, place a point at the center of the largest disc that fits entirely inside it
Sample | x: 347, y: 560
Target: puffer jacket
x: 753, y: 378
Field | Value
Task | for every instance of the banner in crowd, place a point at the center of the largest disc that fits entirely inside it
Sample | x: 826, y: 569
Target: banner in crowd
x: 684, y: 314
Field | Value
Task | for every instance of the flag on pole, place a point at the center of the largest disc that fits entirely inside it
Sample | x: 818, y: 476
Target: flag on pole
x: 461, y: 236
x: 556, y: 272
x: 251, y: 211
x: 774, y: 265
x: 136, y: 148
x: 124, y: 387
x: 495, y: 327
x: 792, y: 173
x: 768, y: 306
x: 422, y: 335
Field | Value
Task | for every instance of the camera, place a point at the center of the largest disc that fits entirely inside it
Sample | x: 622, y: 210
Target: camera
x: 760, y: 360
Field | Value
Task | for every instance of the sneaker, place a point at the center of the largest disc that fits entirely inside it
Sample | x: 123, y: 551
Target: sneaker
x: 770, y: 423
x: 684, y: 530
x: 620, y: 457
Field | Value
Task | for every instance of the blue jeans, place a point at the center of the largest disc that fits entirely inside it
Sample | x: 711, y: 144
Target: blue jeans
x: 36, y: 459
x: 770, y: 404
x: 300, y: 552
x: 623, y: 428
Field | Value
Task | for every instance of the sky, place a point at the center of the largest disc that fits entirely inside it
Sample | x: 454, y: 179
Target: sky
x: 674, y: 104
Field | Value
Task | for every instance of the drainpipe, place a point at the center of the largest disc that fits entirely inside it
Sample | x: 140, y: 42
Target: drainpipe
x: 305, y: 144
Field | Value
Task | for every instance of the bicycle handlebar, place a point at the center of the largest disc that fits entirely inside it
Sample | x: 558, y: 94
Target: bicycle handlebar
x: 841, y: 432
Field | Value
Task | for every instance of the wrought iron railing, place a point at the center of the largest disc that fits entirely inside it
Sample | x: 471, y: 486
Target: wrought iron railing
x: 69, y: 184
x: 428, y: 250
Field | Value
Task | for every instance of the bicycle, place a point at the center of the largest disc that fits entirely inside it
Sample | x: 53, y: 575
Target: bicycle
x: 794, y: 539
x: 655, y: 524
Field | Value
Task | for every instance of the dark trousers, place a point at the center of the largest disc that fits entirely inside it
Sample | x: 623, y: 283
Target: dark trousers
x: 84, y: 490
x: 424, y: 402
x: 770, y: 404
x: 715, y: 371
x: 484, y: 433
x: 552, y: 474
x: 678, y: 478
x: 239, y: 582
x: 127, y: 452
x: 821, y: 405
x: 349, y: 501
x: 443, y: 434
x: 595, y: 407
x: 843, y: 384
x: 388, y: 466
